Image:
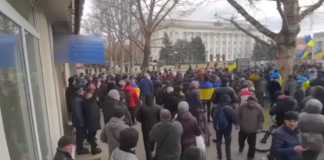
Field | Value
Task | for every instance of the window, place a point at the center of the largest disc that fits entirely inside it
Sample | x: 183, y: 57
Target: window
x: 14, y: 98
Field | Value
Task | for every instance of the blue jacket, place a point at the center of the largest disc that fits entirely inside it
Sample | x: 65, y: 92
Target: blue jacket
x: 146, y: 87
x: 283, y: 142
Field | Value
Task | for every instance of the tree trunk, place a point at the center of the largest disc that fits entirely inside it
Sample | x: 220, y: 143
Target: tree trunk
x: 147, y: 52
x: 286, y: 57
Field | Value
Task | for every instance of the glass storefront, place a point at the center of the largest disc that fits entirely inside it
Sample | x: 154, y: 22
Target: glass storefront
x: 14, y: 100
x: 22, y: 102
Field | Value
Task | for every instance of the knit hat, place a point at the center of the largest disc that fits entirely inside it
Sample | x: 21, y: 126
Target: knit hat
x: 313, y: 106
x: 64, y: 141
x: 169, y: 89
x: 128, y: 138
x: 291, y: 115
x: 183, y: 106
x: 114, y: 94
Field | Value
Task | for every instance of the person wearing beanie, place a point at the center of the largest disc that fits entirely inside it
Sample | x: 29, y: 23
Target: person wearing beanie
x: 128, y: 140
x: 110, y: 133
x: 193, y: 153
x: 167, y: 136
x: 65, y: 149
x: 111, y: 104
x: 286, y: 143
x: 189, y: 124
x: 148, y: 115
x: 311, y: 125
x: 170, y: 101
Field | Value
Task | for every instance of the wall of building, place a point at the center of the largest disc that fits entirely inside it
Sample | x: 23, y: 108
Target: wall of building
x: 218, y: 40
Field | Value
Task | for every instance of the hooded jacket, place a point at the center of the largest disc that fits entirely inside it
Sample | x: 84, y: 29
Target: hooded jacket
x: 250, y: 117
x: 190, y: 130
x: 110, y: 133
x: 311, y: 124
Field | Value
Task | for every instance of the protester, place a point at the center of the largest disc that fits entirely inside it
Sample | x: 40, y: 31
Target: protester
x: 111, y: 104
x: 223, y: 118
x: 189, y: 124
x: 283, y: 104
x: 167, y: 136
x: 65, y: 149
x: 146, y: 86
x: 110, y: 133
x: 78, y: 121
x: 311, y: 125
x: 286, y: 144
x: 132, y: 99
x: 148, y: 115
x: 171, y: 101
x: 128, y: 141
x: 92, y: 120
x: 250, y: 118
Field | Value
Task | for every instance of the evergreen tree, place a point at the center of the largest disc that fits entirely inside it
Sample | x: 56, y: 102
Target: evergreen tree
x: 198, y: 50
x: 166, y: 51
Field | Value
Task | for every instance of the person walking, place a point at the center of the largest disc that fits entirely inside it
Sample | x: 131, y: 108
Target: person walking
x: 128, y: 141
x: 148, y: 115
x: 250, y: 118
x: 110, y: 133
x: 193, y: 153
x: 65, y: 149
x: 146, y: 86
x: 113, y: 103
x: 167, y: 137
x: 189, y: 124
x: 311, y: 125
x: 223, y: 118
x: 171, y: 101
x: 286, y: 142
x: 132, y: 99
x: 92, y: 120
x: 78, y: 121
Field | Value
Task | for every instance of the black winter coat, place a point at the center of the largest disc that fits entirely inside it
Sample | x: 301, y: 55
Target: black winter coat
x: 78, y: 112
x: 148, y: 116
x: 171, y: 103
x: 109, y: 109
x: 61, y: 155
x: 91, y: 114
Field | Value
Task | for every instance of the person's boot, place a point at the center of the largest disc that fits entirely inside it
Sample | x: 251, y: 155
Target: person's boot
x: 95, y: 150
x: 82, y: 151
x: 228, y: 151
x: 219, y: 151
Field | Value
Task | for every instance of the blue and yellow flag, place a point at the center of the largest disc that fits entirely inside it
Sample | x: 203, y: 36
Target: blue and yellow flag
x: 206, y: 90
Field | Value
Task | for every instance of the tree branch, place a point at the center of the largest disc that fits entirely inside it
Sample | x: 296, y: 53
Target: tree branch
x: 311, y: 9
x: 261, y: 28
x: 158, y: 22
x: 140, y: 11
x: 282, y: 15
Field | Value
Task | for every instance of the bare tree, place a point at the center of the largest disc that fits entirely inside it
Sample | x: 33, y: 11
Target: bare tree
x: 285, y: 40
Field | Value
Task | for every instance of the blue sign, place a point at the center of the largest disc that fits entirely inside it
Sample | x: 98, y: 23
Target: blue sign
x: 8, y: 45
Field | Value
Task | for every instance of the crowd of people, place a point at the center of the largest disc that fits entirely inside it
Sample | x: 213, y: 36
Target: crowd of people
x: 175, y: 110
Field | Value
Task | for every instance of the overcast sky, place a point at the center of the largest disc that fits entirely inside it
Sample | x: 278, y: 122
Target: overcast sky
x: 265, y: 11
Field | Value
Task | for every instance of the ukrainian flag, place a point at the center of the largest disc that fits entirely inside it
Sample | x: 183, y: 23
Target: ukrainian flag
x: 137, y: 89
x: 206, y: 91
x: 232, y: 67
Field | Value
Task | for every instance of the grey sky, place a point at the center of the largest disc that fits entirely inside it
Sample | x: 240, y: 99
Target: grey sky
x: 265, y: 11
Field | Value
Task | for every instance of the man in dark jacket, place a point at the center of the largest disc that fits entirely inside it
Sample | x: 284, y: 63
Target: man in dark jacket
x: 65, y: 149
x: 223, y: 118
x: 170, y: 101
x: 189, y: 124
x: 283, y: 104
x: 92, y: 120
x: 286, y: 143
x: 250, y: 118
x: 167, y: 136
x: 78, y: 121
x: 148, y: 115
x: 225, y: 91
x: 110, y: 104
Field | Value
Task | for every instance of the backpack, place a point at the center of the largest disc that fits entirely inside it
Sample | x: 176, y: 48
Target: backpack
x: 220, y: 119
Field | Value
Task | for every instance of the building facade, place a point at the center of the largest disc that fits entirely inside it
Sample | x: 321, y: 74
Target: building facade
x: 220, y: 39
x: 31, y: 119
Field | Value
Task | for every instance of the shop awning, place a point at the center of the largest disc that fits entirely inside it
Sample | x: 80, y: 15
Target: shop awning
x: 79, y: 49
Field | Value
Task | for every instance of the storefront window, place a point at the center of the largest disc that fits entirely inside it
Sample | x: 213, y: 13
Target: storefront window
x: 25, y: 8
x: 14, y: 101
x: 38, y: 93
